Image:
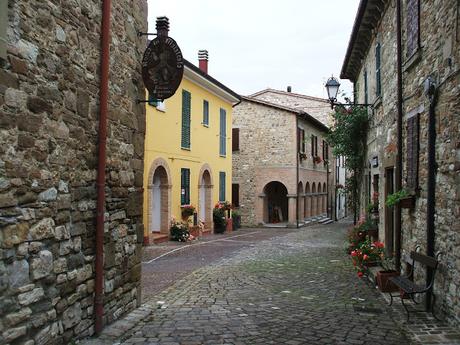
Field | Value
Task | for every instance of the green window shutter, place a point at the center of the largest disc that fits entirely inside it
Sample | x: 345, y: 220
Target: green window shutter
x: 366, y: 98
x: 186, y: 116
x: 223, y: 133
x: 205, y: 112
x: 185, y: 186
x: 378, y: 86
x: 222, y: 186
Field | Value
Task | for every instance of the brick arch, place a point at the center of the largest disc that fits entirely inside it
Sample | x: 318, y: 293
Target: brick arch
x: 313, y: 200
x: 162, y: 200
x: 301, y: 202
x: 307, y: 202
x: 205, y: 190
x: 324, y: 198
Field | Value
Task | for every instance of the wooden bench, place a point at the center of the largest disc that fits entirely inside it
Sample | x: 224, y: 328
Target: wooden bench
x: 408, y: 289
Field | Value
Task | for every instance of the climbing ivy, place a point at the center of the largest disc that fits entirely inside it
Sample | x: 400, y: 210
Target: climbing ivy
x: 348, y: 137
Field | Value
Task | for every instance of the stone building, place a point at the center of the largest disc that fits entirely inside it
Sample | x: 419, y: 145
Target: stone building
x: 279, y: 163
x: 428, y: 50
x: 49, y: 118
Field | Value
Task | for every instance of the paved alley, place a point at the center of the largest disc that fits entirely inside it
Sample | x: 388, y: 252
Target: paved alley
x: 296, y: 288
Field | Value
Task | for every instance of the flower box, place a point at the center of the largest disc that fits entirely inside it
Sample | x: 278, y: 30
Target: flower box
x: 407, y: 202
x: 383, y: 280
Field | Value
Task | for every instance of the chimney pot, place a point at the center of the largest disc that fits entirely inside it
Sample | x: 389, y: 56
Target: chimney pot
x: 289, y: 89
x: 203, y: 60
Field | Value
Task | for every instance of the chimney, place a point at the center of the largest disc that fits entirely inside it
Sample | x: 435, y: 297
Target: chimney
x: 289, y: 89
x: 203, y: 60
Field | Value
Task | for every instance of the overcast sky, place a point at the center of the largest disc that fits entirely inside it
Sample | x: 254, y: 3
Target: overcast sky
x: 255, y: 44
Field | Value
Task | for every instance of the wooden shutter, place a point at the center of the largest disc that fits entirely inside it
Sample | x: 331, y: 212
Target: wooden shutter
x: 235, y: 139
x: 316, y: 145
x: 378, y: 86
x: 312, y: 145
x: 366, y: 97
x: 412, y: 142
x: 299, y: 139
x: 205, y: 112
x: 223, y: 133
x: 185, y: 186
x: 236, y: 194
x: 413, y: 27
x: 186, y: 114
x: 323, y: 147
x: 302, y: 144
x: 222, y: 186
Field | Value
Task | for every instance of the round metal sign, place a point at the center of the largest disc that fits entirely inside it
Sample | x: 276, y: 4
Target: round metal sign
x: 162, y: 67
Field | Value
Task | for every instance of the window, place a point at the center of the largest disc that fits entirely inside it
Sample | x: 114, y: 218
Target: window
x: 186, y: 104
x: 366, y: 98
x: 413, y: 27
x: 3, y: 25
x: 185, y: 186
x: 222, y: 186
x: 300, y: 140
x: 223, y: 133
x: 378, y: 84
x: 314, y: 145
x: 235, y: 139
x: 325, y: 150
x: 412, y: 148
x: 205, y: 113
x: 236, y: 194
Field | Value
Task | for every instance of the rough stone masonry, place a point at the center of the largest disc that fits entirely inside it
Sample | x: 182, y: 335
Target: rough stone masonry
x: 49, y: 113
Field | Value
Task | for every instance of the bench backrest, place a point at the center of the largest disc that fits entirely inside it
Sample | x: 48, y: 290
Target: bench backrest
x: 424, y: 259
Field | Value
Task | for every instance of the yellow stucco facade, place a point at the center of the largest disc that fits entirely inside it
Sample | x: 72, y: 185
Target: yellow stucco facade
x: 166, y: 159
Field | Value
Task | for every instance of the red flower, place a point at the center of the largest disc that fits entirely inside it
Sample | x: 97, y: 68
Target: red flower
x: 360, y: 274
x: 354, y: 253
x: 365, y: 257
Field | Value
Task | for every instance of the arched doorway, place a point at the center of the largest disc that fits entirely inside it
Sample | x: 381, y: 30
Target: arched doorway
x: 159, y: 201
x: 205, y: 197
x: 275, y: 203
x: 307, y: 201
x: 313, y: 200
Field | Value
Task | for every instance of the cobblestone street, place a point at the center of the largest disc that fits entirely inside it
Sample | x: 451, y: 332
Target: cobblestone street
x: 294, y: 288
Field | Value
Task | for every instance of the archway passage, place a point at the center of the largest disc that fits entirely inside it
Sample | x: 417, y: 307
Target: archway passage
x: 324, y: 198
x: 205, y: 194
x: 307, y: 201
x: 313, y: 200
x: 159, y: 202
x: 300, y: 211
x: 276, y: 203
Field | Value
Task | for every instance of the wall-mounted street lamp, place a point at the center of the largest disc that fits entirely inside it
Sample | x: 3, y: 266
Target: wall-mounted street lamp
x: 332, y: 87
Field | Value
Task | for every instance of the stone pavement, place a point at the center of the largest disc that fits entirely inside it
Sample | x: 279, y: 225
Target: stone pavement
x: 299, y: 288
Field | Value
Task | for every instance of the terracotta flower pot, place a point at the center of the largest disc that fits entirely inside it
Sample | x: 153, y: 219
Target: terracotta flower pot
x: 383, y: 281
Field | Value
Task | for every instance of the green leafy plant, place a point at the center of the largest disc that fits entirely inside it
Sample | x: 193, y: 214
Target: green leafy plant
x: 393, y: 199
x: 220, y: 222
x: 187, y: 210
x: 348, y: 137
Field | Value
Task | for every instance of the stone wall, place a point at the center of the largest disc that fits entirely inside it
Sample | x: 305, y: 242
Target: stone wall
x: 268, y: 153
x: 439, y: 57
x: 49, y: 89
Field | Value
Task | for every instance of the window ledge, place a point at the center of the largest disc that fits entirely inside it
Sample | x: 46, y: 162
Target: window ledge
x: 223, y: 156
x: 377, y: 102
x: 205, y: 125
x: 186, y: 148
x: 413, y: 60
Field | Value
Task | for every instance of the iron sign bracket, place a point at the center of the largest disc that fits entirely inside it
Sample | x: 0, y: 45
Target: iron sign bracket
x: 139, y: 34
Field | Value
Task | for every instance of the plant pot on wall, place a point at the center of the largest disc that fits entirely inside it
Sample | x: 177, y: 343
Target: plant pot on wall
x: 408, y: 202
x: 383, y: 281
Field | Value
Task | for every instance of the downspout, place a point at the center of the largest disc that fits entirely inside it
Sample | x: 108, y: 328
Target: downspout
x: 398, y: 182
x: 100, y: 183
x: 297, y: 170
x: 431, y: 188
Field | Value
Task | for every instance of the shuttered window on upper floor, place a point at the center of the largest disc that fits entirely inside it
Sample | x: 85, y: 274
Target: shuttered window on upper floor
x: 412, y: 149
x: 186, y: 119
x: 3, y: 26
x: 413, y: 27
x: 235, y: 139
x: 223, y: 133
x: 314, y: 145
x: 378, y: 83
x: 205, y: 113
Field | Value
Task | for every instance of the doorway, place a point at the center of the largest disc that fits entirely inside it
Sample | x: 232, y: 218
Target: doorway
x: 389, y: 213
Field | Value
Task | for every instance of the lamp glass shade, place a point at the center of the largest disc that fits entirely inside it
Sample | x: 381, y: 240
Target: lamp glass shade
x: 332, y: 87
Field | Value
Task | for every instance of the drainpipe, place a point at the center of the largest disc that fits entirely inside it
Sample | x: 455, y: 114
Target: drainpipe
x: 430, y: 90
x: 297, y: 170
x: 398, y: 182
x: 100, y: 183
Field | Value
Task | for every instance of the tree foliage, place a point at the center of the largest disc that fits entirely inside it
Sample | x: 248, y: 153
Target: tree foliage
x: 348, y: 137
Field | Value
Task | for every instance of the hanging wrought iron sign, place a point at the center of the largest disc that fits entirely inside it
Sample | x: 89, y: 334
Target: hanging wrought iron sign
x: 162, y: 64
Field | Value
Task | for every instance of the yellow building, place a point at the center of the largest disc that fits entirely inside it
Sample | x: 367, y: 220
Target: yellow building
x: 188, y: 151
